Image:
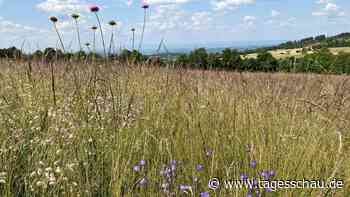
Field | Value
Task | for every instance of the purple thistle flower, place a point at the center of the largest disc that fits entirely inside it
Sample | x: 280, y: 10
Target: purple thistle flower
x: 253, y: 164
x: 200, y: 168
x: 145, y: 4
x: 204, y: 194
x: 94, y: 8
x: 272, y: 173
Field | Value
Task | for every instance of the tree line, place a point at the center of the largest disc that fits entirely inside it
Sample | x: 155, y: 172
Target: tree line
x: 320, y: 61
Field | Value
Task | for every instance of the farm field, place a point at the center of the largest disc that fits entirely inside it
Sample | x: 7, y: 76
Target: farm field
x: 73, y: 129
x: 286, y: 53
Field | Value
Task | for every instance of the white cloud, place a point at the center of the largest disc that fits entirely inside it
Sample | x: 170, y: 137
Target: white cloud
x: 249, y: 20
x: 275, y: 13
x: 164, y: 2
x: 323, y: 1
x: 329, y: 9
x: 171, y: 17
x: 289, y: 22
x: 200, y: 20
x: 63, y: 6
x: 230, y: 4
x: 7, y: 26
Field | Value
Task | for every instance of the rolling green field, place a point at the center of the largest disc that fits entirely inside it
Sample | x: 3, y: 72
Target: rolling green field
x: 285, y: 53
x: 130, y: 130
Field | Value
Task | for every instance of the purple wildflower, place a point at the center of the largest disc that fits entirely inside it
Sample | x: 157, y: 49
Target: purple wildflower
x: 142, y: 163
x: 244, y: 177
x: 265, y: 175
x: 185, y: 188
x: 200, y: 168
x: 137, y: 168
x: 173, y: 165
x: 272, y: 173
x: 173, y: 162
x: 255, y: 183
x: 204, y: 194
x: 253, y: 164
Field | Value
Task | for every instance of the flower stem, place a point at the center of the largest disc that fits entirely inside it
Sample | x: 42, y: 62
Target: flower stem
x: 101, y: 31
x: 78, y: 34
x: 143, y: 30
x: 60, y: 38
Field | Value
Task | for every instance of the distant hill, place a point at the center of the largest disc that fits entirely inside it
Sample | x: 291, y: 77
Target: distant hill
x: 339, y: 40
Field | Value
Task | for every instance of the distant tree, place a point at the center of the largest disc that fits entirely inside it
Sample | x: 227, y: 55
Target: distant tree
x: 267, y: 62
x: 341, y: 63
x: 182, y: 60
x: 214, y: 61
x: 250, y: 64
x: 231, y: 59
x: 198, y: 58
x: 125, y: 55
x: 136, y: 57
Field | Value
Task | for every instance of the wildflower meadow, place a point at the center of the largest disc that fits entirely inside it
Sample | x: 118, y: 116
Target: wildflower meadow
x: 97, y: 125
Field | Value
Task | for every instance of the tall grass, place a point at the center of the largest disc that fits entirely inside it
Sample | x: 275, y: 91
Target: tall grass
x: 113, y: 134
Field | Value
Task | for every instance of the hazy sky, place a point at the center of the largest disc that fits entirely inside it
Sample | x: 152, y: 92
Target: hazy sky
x: 178, y: 21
